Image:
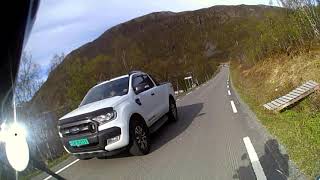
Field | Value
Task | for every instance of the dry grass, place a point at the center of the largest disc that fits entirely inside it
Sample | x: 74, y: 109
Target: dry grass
x: 297, y: 128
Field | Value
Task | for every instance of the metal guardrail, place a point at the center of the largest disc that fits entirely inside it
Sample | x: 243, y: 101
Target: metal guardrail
x: 292, y: 97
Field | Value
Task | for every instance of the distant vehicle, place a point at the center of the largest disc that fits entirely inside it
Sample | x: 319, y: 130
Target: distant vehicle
x: 116, y: 115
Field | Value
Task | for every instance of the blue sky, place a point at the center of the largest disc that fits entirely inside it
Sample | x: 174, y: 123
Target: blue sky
x: 64, y: 25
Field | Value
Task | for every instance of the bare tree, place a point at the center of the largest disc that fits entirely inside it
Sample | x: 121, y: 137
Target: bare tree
x: 29, y: 79
x: 55, y: 61
x: 307, y: 11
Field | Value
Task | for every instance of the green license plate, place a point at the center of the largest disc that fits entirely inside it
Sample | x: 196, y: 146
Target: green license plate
x: 79, y: 142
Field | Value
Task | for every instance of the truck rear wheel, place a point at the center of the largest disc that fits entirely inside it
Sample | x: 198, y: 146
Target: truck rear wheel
x: 140, y: 138
x: 173, y: 111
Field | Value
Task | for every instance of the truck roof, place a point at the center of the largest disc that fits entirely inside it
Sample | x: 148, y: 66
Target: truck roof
x: 119, y: 77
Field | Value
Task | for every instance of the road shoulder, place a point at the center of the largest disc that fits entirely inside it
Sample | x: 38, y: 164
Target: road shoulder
x: 293, y: 171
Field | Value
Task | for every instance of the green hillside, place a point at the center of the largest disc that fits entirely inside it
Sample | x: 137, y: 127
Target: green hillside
x: 165, y: 44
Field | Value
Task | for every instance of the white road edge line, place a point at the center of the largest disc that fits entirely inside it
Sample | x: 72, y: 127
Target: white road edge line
x: 188, y: 93
x: 62, y: 169
x: 257, y: 168
x: 229, y: 93
x: 234, y: 109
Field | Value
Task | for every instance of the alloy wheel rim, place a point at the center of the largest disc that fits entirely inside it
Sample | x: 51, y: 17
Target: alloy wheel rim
x: 141, y: 137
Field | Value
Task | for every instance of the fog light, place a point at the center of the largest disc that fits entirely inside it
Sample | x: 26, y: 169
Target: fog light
x: 113, y: 140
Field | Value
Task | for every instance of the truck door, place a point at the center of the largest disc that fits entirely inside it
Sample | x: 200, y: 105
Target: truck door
x: 162, y: 98
x: 145, y: 97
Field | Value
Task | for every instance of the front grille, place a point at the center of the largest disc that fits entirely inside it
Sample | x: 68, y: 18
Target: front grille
x: 78, y: 128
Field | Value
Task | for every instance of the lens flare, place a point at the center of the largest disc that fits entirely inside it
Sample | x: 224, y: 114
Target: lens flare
x: 16, y: 146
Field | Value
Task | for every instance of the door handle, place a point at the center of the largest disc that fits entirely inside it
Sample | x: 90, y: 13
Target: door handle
x: 138, y: 101
x: 152, y: 94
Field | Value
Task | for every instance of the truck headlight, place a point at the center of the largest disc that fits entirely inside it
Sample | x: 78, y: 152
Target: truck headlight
x: 104, y: 118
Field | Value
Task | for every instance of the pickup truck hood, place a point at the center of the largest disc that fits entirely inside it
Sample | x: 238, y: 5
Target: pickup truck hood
x: 109, y: 102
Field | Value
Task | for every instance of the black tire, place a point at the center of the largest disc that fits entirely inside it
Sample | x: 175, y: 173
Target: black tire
x: 139, y: 137
x: 173, y: 111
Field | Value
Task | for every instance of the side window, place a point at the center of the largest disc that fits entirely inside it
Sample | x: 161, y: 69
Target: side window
x: 141, y: 83
x: 148, y: 81
x: 136, y: 81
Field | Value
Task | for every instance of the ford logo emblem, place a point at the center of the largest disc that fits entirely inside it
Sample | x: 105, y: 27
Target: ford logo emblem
x: 75, y: 130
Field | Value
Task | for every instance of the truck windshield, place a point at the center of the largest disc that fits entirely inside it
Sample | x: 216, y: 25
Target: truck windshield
x: 110, y: 89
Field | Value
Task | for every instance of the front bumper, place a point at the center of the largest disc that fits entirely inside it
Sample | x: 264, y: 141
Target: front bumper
x: 97, y: 141
x: 100, y: 153
x: 97, y: 135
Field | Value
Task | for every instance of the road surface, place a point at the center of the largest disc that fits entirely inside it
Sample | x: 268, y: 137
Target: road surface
x: 216, y: 137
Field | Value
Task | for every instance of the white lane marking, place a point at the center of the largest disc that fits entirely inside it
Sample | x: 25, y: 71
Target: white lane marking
x: 62, y: 169
x: 257, y: 168
x: 188, y: 93
x: 229, y: 93
x: 234, y: 109
x: 178, y: 99
x: 228, y: 86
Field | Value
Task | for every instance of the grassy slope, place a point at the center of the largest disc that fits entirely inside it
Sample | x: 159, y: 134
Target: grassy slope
x: 297, y: 128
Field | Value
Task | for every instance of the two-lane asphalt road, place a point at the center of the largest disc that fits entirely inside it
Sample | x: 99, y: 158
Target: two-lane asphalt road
x: 215, y: 138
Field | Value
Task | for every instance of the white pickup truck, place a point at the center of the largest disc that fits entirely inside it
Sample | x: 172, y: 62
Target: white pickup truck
x: 118, y: 115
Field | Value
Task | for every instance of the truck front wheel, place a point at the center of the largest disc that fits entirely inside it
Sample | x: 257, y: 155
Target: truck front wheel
x: 140, y: 138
